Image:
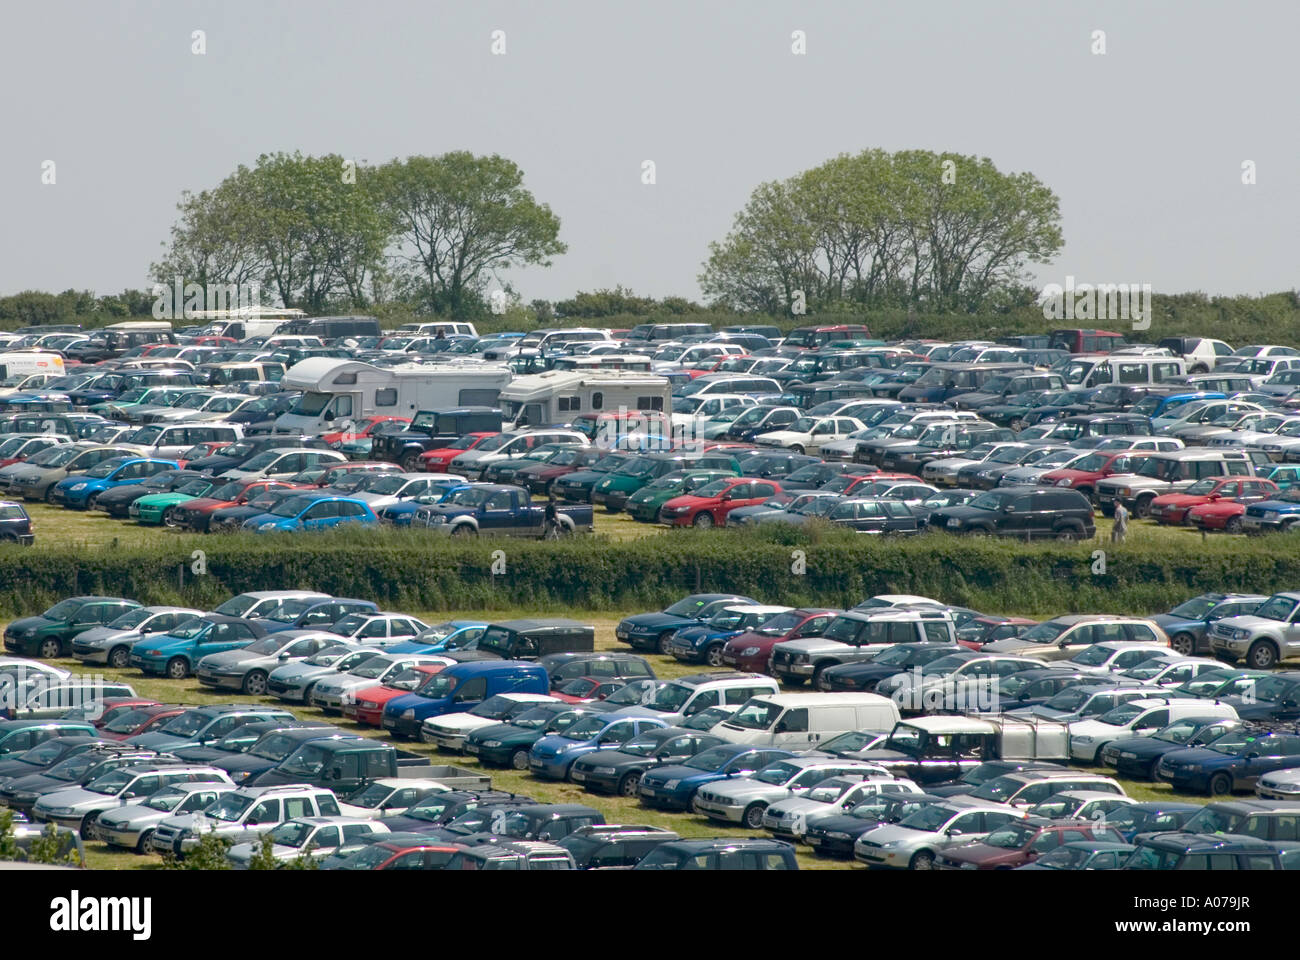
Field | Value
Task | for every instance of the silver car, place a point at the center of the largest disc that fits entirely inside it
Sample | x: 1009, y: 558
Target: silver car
x: 111, y: 643
x: 335, y: 693
x: 130, y: 827
x: 247, y: 669
x: 294, y: 681
x: 915, y: 841
x: 313, y: 837
x: 79, y: 807
x: 744, y: 800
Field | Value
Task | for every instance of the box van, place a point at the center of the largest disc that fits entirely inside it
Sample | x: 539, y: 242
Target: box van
x: 333, y: 328
x: 25, y: 363
x: 800, y: 721
x: 336, y: 391
x: 1121, y: 368
x: 809, y: 338
x: 461, y: 687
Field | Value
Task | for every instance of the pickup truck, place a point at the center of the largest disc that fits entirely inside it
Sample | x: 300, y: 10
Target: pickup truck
x: 347, y: 765
x: 940, y: 749
x: 432, y: 430
x: 501, y: 510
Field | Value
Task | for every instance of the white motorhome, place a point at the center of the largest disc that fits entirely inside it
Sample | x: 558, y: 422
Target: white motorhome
x: 336, y: 391
x: 557, y: 396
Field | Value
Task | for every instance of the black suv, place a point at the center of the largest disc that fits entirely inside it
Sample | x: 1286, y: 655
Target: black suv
x: 614, y: 845
x: 605, y: 664
x: 721, y: 853
x: 1034, y: 513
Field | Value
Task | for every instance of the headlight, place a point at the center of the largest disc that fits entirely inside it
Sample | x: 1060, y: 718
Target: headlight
x: 603, y: 771
x: 438, y: 518
x: 837, y: 835
x: 1082, y: 739
x: 408, y: 714
x: 1125, y: 491
x: 1063, y: 482
x: 58, y: 811
x: 77, y: 486
x: 269, y: 525
x: 240, y: 775
x: 803, y: 658
x: 491, y: 743
x: 954, y: 523
x: 1192, y: 768
x: 749, y: 652
x: 672, y: 784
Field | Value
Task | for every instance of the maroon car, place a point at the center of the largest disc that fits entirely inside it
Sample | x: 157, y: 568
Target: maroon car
x: 1021, y: 842
x: 537, y: 477
x: 750, y: 650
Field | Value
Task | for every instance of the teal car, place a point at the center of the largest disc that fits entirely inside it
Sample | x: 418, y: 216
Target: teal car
x: 615, y: 488
x: 152, y: 510
x: 645, y: 503
x: 139, y: 397
x: 174, y: 654
x: 1285, y: 477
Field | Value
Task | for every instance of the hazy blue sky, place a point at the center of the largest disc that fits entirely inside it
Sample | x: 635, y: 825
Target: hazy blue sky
x: 1144, y: 145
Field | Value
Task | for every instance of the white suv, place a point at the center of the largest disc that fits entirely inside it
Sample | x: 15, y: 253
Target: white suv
x: 686, y: 696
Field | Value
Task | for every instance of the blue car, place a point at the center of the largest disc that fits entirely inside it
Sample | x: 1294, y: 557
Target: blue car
x: 461, y: 687
x: 79, y: 490
x: 552, y: 756
x: 441, y: 637
x: 1268, y: 516
x: 654, y: 631
x: 1153, y: 816
x: 399, y: 514
x: 673, y: 787
x: 313, y: 613
x: 1233, y: 762
x: 311, y: 512
x: 703, y: 642
x: 1188, y: 624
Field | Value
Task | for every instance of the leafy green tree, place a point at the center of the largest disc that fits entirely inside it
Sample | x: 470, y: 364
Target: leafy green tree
x: 458, y: 218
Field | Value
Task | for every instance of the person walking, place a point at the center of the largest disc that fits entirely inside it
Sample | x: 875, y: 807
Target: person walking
x: 1119, y: 532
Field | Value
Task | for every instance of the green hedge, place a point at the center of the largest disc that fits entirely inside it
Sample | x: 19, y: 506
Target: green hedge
x: 407, y: 570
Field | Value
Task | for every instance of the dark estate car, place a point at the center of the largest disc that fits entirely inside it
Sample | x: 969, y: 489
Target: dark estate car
x: 1025, y: 513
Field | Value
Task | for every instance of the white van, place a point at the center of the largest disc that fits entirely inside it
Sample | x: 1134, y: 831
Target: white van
x: 800, y: 721
x: 26, y: 362
x: 686, y: 696
x: 1125, y: 369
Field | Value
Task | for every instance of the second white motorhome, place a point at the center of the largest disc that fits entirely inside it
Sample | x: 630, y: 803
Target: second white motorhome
x: 558, y: 396
x: 336, y: 391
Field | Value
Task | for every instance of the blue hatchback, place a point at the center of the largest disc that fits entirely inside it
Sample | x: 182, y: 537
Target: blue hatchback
x: 674, y: 787
x: 311, y: 512
x: 399, y: 514
x: 552, y: 756
x: 442, y: 637
x: 80, y: 489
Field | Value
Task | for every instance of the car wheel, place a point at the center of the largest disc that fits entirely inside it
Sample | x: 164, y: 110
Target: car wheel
x: 1142, y: 508
x: 695, y: 806
x: 1096, y: 757
x: 1220, y: 785
x: 463, y: 530
x: 142, y: 845
x: 1183, y: 644
x: 753, y: 816
x: 410, y: 463
x: 519, y: 760
x: 49, y: 493
x: 177, y: 668
x: 713, y: 656
x: 87, y: 822
x: 922, y: 860
x: 49, y: 649
x: 1233, y: 525
x: 171, y: 518
x: 1261, y: 655
x: 92, y: 502
x: 703, y: 520
x: 797, y: 449
x: 665, y: 639
x: 255, y: 683
x: 817, y: 676
x: 119, y: 658
x: 630, y: 785
x: 1068, y: 533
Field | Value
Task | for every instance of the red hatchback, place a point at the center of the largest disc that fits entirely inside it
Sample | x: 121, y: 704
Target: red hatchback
x: 1021, y: 842
x: 1174, y: 507
x: 435, y: 461
x: 197, y: 513
x: 140, y: 720
x: 750, y: 650
x: 710, y: 504
x: 586, y: 689
x: 370, y: 701
x: 1083, y: 474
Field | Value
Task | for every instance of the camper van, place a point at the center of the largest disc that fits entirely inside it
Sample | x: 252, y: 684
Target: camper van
x: 335, y: 391
x: 559, y: 396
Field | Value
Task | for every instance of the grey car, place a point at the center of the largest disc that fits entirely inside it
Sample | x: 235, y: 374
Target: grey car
x: 111, y: 643
x: 294, y: 680
x: 130, y: 826
x: 247, y: 669
x: 313, y: 837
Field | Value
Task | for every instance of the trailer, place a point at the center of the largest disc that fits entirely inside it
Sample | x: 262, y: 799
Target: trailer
x: 338, y: 391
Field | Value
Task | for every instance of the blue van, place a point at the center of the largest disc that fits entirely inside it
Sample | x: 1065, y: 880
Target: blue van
x: 462, y: 687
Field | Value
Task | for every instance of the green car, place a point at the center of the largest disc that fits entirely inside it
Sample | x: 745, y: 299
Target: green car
x: 614, y: 489
x: 152, y: 510
x: 138, y: 397
x: 645, y: 503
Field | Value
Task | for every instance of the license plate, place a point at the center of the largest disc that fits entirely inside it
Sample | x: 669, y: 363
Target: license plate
x: 471, y: 748
x: 535, y: 763
x: 621, y: 634
x: 578, y: 775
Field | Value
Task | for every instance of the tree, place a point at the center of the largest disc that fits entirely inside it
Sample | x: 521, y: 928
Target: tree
x: 458, y: 218
x: 943, y: 231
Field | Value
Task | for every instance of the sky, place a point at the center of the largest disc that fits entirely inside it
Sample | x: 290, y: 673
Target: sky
x: 1143, y: 144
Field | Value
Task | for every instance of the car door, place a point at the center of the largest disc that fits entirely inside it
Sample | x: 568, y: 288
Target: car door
x: 470, y: 693
x: 319, y: 515
x: 869, y: 517
x: 497, y: 515
x: 963, y: 829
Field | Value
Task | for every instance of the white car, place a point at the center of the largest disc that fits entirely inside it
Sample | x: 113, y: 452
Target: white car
x: 389, y: 797
x: 294, y: 680
x: 311, y: 837
x: 333, y: 693
x: 1093, y: 805
x: 789, y: 819
x: 1170, y: 671
x: 380, y: 629
x: 744, y: 800
x: 386, y: 489
x: 915, y: 841
x: 1112, y: 656
x: 449, y: 730
x: 1137, y: 718
x: 259, y: 603
x: 945, y: 470
x: 1279, y: 785
x: 807, y: 434
x: 954, y: 682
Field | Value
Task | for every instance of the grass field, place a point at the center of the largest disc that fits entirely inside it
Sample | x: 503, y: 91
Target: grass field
x: 615, y: 809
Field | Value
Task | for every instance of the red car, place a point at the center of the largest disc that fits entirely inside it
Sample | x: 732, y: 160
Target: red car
x: 710, y: 504
x: 982, y: 630
x: 370, y: 701
x: 147, y: 719
x: 205, y: 449
x: 1174, y: 507
x: 338, y: 437
x: 110, y: 708
x: 428, y: 854
x: 1023, y: 841
x: 197, y: 514
x: 749, y: 651
x: 435, y: 461
x: 1083, y: 474
x: 586, y: 689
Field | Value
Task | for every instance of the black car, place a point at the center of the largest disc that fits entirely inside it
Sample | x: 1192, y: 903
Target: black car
x: 550, y: 822
x: 1275, y: 697
x: 976, y: 777
x: 775, y: 465
x: 899, y: 658
x: 21, y: 793
x: 874, y: 515
x: 229, y: 458
x: 721, y: 853
x: 940, y: 441
x: 1025, y: 513
x: 619, y: 771
x: 15, y: 524
x: 1136, y: 757
x: 614, y: 844
x: 1029, y: 688
x: 603, y: 664
x: 116, y: 501
x: 440, y: 809
x: 814, y: 476
x: 41, y: 757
